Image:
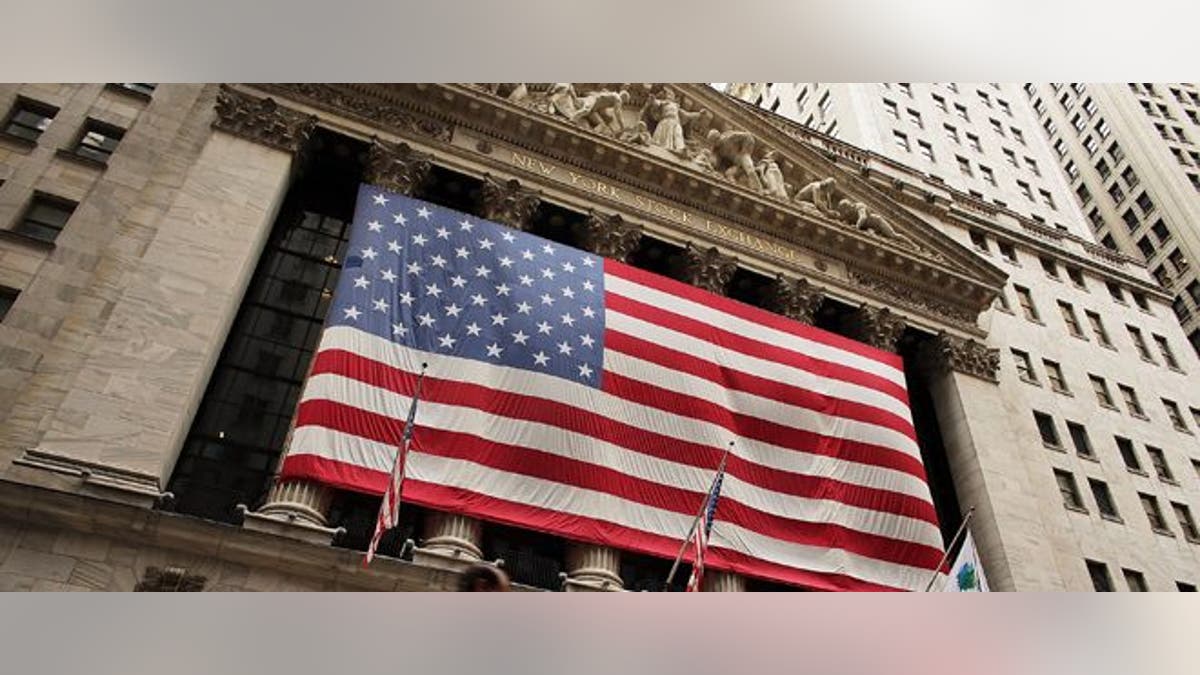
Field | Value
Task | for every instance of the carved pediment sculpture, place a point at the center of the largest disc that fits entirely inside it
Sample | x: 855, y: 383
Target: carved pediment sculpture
x: 858, y: 215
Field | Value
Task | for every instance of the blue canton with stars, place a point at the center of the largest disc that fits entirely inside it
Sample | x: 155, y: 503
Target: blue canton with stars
x: 442, y: 281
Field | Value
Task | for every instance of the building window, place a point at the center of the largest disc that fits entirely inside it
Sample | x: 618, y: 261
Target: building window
x: 1024, y: 366
x: 961, y: 111
x: 1002, y: 302
x: 1006, y: 249
x: 28, y: 119
x: 1016, y: 133
x: 1145, y: 204
x: 964, y: 166
x: 1048, y: 199
x: 1098, y: 328
x: 987, y: 174
x: 973, y: 142
x: 905, y: 87
x: 1129, y: 455
x: 901, y: 141
x: 1047, y: 430
x: 1091, y: 146
x: 1160, y: 230
x: 45, y: 217
x: 915, y: 118
x: 1101, y: 581
x: 1131, y: 400
x: 1025, y: 189
x: 1026, y: 301
x: 951, y: 132
x: 1104, y: 501
x: 1004, y: 106
x: 98, y: 141
x: 926, y: 149
x: 1079, y: 437
x: 1136, y: 581
x: 1116, y: 193
x: 141, y: 89
x: 1078, y: 122
x: 1071, y: 169
x: 1139, y: 343
x: 1103, y: 395
x: 1054, y: 375
x: 1060, y: 148
x: 1164, y: 348
x: 8, y: 296
x: 891, y: 109
x: 1131, y: 221
x: 1154, y: 513
x: 1158, y: 460
x: 1114, y: 290
x: 940, y: 103
x: 1076, y: 276
x: 1069, y: 490
x: 1011, y: 157
x: 1085, y: 196
x: 1175, y: 415
x: 1186, y: 524
x: 985, y: 98
x: 1069, y: 318
x: 1185, y: 587
x: 979, y: 240
x: 1049, y: 267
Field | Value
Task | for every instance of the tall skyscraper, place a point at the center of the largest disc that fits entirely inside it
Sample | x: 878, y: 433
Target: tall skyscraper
x: 1131, y: 156
x: 978, y: 138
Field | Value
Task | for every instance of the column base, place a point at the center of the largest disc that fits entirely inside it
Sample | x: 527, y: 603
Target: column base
x: 452, y: 542
x: 289, y: 525
x: 723, y: 582
x: 593, y: 568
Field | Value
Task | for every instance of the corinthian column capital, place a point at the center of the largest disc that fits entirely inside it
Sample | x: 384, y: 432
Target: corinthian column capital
x: 794, y: 298
x: 879, y: 327
x: 947, y: 352
x: 708, y: 268
x: 397, y: 167
x: 609, y: 235
x: 262, y: 120
x: 508, y: 202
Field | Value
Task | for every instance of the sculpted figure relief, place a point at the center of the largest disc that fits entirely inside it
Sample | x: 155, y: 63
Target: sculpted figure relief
x: 638, y: 134
x: 772, y: 176
x: 857, y: 214
x: 818, y: 195
x: 601, y: 110
x: 732, y: 151
x: 563, y: 100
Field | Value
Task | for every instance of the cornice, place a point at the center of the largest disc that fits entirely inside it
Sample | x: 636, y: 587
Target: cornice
x: 262, y: 120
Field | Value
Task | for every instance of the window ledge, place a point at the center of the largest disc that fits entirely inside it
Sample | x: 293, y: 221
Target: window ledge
x: 1169, y: 481
x: 1184, y: 430
x: 1076, y: 509
x: 1108, y: 346
x: 1177, y: 369
x: 1064, y: 392
x: 1193, y: 540
x: 1110, y: 406
x: 80, y: 159
x: 17, y: 237
x: 1056, y: 448
x: 1113, y: 519
x: 1027, y: 380
x: 1165, y: 533
x: 18, y: 141
x: 1090, y: 458
x: 1139, y: 472
x: 1140, y: 416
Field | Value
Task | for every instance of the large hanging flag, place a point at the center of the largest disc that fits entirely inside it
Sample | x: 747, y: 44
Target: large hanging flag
x: 967, y: 572
x: 586, y: 398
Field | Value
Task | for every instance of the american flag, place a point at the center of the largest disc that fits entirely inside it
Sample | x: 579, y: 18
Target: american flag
x: 704, y: 531
x: 389, y: 509
x: 582, y: 397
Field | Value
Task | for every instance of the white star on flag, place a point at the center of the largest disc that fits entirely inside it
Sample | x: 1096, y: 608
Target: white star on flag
x: 381, y: 200
x: 541, y: 359
x: 375, y: 226
x: 457, y: 282
x: 473, y: 329
x: 453, y: 310
x: 447, y: 341
x: 369, y: 253
x: 394, y: 246
x: 498, y: 319
x: 352, y: 312
x: 361, y: 282
x: 465, y: 225
x: 494, y: 350
x: 425, y: 319
x: 415, y: 268
x: 587, y: 340
x: 420, y: 239
x: 585, y: 370
x: 406, y: 298
x: 520, y: 337
x: 388, y: 276
x: 381, y: 305
x: 424, y: 212
x: 399, y: 219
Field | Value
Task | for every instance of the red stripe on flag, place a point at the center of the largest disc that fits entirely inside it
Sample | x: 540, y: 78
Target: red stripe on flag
x: 555, y: 413
x: 458, y: 500
x: 748, y: 312
x: 576, y: 473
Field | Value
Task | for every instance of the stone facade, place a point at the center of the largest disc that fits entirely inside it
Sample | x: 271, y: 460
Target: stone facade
x: 108, y: 349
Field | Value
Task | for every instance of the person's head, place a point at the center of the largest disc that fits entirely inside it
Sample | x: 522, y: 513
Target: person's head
x: 483, y: 578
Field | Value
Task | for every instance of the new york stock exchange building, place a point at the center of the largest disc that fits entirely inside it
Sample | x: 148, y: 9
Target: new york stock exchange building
x: 171, y: 255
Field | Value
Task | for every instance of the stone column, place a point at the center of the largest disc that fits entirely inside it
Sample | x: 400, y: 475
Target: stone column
x: 878, y: 327
x: 609, y: 236
x: 452, y: 541
x: 708, y: 268
x: 795, y: 298
x: 171, y: 282
x: 507, y: 202
x: 593, y: 568
x: 304, y: 503
x: 716, y: 581
x: 946, y: 353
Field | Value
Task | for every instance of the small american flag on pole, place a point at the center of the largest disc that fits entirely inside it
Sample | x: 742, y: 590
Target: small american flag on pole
x: 389, y: 509
x: 704, y: 531
x: 585, y: 398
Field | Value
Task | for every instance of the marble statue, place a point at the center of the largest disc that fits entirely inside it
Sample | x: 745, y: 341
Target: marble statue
x: 818, y: 194
x: 668, y: 126
x: 857, y: 214
x: 601, y: 110
x: 638, y: 134
x: 563, y: 100
x: 732, y: 150
x: 772, y: 176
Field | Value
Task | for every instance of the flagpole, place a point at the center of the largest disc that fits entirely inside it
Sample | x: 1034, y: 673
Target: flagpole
x: 696, y: 521
x: 961, y: 529
x: 401, y: 451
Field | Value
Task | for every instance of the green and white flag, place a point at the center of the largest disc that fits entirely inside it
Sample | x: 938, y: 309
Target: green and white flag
x: 967, y: 573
